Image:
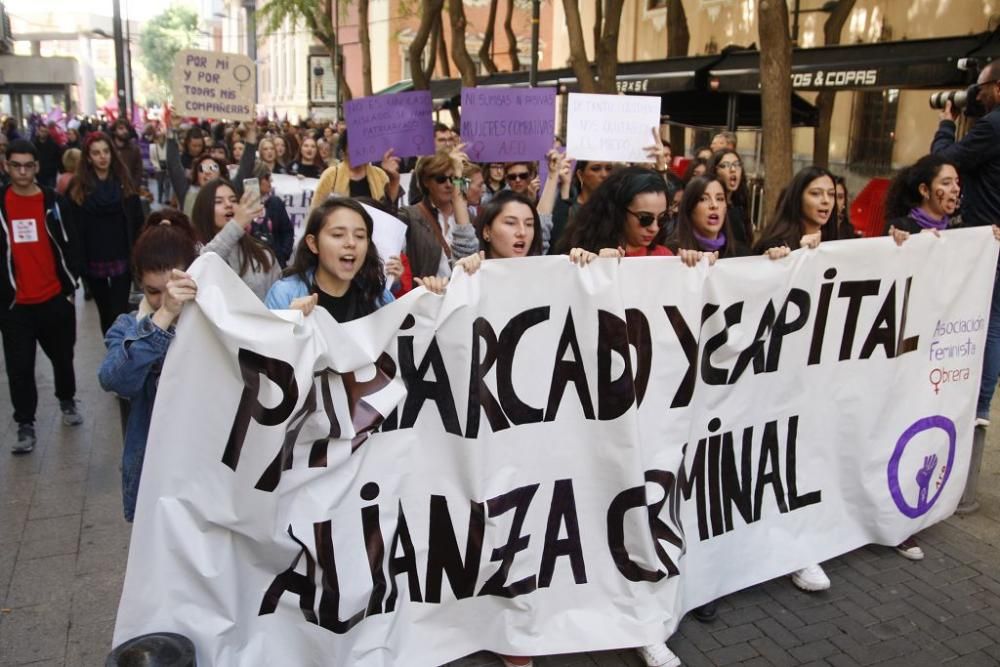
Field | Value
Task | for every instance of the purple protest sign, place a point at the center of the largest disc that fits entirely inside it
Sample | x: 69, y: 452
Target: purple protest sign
x: 508, y: 124
x: 401, y: 121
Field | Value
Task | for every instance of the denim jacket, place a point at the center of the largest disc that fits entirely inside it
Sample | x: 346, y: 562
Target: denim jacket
x: 131, y: 369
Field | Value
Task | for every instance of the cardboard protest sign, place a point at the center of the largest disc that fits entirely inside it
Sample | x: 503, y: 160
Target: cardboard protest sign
x: 508, y: 124
x: 554, y: 469
x: 209, y: 84
x: 611, y: 128
x: 401, y: 121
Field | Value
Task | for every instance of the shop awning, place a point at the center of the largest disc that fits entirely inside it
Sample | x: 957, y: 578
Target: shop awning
x: 911, y: 64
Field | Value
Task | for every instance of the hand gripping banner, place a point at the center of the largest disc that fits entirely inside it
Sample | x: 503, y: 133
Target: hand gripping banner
x: 548, y: 458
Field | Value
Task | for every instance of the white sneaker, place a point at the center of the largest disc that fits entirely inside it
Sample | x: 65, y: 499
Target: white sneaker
x: 910, y: 549
x: 811, y: 579
x: 982, y: 422
x: 658, y: 655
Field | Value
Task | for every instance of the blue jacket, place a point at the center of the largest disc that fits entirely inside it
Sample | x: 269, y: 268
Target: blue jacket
x: 286, y: 290
x: 131, y: 369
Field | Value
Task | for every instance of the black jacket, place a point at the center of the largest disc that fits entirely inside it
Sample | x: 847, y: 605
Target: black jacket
x: 80, y: 220
x: 62, y: 235
x: 977, y: 156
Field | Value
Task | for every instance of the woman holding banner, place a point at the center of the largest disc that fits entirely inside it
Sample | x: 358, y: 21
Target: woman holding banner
x: 703, y: 225
x: 624, y: 214
x: 137, y: 343
x: 336, y: 265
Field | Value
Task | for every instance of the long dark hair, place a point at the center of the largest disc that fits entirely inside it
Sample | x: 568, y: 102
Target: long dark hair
x: 369, y: 280
x: 785, y: 227
x: 904, y: 191
x: 489, y: 212
x: 739, y: 197
x: 683, y: 236
x: 692, y: 165
x: 85, y: 181
x: 254, y: 255
x: 600, y: 223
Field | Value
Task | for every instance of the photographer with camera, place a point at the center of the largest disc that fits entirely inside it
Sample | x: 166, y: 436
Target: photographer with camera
x: 977, y: 156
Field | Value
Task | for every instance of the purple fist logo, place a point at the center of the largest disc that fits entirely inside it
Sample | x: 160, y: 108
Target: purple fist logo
x: 937, y: 429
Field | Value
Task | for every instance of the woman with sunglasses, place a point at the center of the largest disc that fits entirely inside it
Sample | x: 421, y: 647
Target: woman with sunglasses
x: 727, y: 166
x: 204, y: 168
x: 624, y: 213
x: 522, y: 177
x: 438, y: 229
x: 103, y: 205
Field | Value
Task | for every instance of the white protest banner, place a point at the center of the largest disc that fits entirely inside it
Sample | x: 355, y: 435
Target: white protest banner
x: 611, y: 128
x: 209, y: 84
x: 548, y: 470
x: 389, y: 233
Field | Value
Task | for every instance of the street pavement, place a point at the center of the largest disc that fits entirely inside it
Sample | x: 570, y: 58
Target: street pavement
x: 63, y: 549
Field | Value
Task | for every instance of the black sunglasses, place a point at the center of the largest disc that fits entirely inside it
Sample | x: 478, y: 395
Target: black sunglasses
x: 522, y: 176
x: 646, y: 219
x: 441, y: 179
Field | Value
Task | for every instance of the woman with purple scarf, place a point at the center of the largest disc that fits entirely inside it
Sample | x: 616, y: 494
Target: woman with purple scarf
x: 922, y: 197
x: 703, y: 225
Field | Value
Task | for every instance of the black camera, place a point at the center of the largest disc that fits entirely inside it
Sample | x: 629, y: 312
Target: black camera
x: 962, y: 100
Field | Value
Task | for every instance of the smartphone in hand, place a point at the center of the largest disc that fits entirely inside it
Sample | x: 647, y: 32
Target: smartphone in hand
x: 252, y: 185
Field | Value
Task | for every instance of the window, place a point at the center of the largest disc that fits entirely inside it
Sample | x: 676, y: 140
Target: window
x: 873, y: 131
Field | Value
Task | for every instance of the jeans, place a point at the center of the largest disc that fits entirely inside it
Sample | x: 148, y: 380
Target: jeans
x: 991, y: 357
x: 52, y: 325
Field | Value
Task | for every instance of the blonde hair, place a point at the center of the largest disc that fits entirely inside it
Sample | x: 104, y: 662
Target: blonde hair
x: 71, y: 158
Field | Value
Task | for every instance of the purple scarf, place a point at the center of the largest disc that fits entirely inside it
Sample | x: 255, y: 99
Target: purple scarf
x: 924, y: 219
x: 709, y: 245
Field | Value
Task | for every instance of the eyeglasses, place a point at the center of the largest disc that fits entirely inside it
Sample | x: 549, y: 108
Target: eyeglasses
x: 735, y: 164
x: 21, y: 166
x: 441, y: 179
x: 520, y: 176
x: 646, y: 218
x: 208, y: 168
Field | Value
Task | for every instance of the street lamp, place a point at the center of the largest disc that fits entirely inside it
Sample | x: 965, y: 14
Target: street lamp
x: 828, y: 8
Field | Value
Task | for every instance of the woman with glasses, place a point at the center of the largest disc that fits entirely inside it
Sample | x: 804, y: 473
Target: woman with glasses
x: 493, y: 180
x: 728, y: 168
x: 522, y: 178
x: 624, y: 213
x: 439, y: 231
x: 204, y: 168
x: 104, y: 206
